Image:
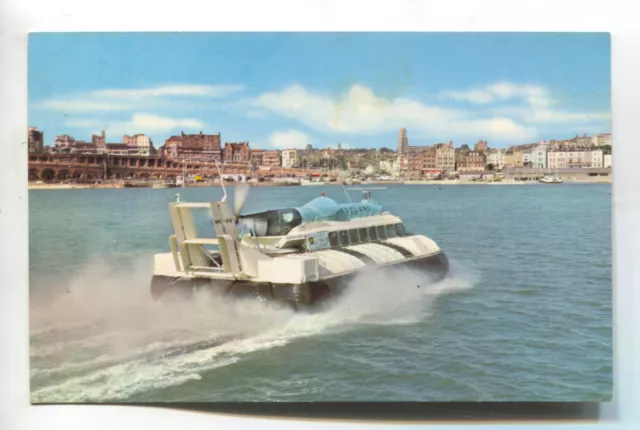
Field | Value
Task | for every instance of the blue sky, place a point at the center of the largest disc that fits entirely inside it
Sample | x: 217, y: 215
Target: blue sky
x: 288, y: 89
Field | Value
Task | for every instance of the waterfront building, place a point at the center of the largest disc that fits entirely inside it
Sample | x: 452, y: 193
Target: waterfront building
x: 403, y: 142
x: 509, y: 159
x: 35, y: 140
x: 290, y: 158
x: 63, y: 141
x: 496, y: 159
x: 445, y: 156
x: 473, y: 162
x: 526, y: 157
x: 142, y: 143
x: 237, y: 152
x: 606, y: 162
x: 557, y: 160
x: 271, y: 158
x: 203, y: 147
x: 518, y: 158
x: 539, y: 157
x: 420, y: 162
x: 595, y: 159
x: 255, y: 156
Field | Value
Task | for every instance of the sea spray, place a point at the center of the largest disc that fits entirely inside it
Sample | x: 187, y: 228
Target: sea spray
x: 104, y: 338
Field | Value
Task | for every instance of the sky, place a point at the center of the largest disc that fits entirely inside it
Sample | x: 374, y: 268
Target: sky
x: 285, y: 90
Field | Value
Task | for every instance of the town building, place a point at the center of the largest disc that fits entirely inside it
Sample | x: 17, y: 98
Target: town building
x: 143, y: 144
x: 481, y: 146
x: 526, y: 157
x: 595, y: 159
x: 237, y: 152
x: 557, y: 160
x: 539, y: 158
x: 289, y: 158
x: 495, y: 159
x: 63, y: 142
x: 403, y: 142
x: 606, y: 162
x: 421, y: 162
x: 603, y: 139
x: 271, y: 158
x: 473, y: 161
x: 202, y: 147
x: 255, y: 156
x: 585, y: 141
x: 35, y: 140
x: 445, y: 156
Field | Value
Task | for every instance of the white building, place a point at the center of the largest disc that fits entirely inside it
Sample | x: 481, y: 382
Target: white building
x: 595, y: 159
x: 289, y: 158
x: 606, y: 161
x: 604, y: 139
x: 495, y: 158
x: 557, y: 160
x: 539, y: 157
x: 526, y: 158
x: 144, y: 144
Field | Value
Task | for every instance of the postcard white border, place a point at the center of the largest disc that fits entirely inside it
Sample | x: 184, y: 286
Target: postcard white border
x: 17, y: 17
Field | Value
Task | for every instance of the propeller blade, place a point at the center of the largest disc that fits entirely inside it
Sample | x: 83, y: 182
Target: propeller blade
x: 240, y: 197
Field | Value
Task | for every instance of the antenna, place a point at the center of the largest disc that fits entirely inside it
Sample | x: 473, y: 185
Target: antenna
x: 224, y: 190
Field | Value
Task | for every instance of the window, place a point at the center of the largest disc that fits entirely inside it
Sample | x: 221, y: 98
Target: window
x: 373, y: 235
x: 381, y: 233
x: 344, y: 237
x: 363, y: 235
x: 333, y: 238
x: 353, y: 236
x: 391, y: 231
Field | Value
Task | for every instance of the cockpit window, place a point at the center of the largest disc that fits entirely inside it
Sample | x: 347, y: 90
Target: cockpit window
x: 333, y: 239
x: 373, y: 235
x: 363, y: 235
x: 272, y: 223
x: 400, y: 231
x: 391, y: 231
x: 353, y: 236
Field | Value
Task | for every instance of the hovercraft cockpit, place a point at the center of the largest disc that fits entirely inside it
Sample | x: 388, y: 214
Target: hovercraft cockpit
x: 277, y: 222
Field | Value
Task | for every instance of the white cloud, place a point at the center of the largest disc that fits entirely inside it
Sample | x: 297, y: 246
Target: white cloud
x: 212, y: 91
x: 139, y: 123
x: 133, y: 99
x: 538, y: 100
x: 292, y: 139
x: 360, y: 111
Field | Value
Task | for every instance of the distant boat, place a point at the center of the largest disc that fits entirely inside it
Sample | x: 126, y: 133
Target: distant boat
x: 547, y: 179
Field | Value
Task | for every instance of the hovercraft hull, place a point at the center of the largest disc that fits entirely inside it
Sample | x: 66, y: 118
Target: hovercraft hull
x: 435, y: 267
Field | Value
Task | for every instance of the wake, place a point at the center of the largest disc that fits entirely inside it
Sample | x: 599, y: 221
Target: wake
x: 105, y: 339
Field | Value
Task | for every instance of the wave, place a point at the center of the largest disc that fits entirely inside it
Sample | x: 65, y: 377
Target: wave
x: 105, y: 339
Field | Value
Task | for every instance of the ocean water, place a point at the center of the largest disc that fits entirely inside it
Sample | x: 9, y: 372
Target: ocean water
x: 525, y: 315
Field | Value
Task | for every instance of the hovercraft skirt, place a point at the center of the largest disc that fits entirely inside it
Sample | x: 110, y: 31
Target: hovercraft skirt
x: 297, y: 295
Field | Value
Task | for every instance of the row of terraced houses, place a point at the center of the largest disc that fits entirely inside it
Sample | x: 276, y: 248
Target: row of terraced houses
x: 191, y: 147
x: 578, y: 152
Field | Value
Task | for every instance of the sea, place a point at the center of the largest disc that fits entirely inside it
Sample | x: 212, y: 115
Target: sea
x: 524, y: 315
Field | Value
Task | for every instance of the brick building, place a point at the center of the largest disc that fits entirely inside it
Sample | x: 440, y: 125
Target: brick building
x: 35, y: 140
x: 271, y: 158
x: 237, y: 152
x: 255, y: 156
x: 203, y: 147
x: 472, y: 162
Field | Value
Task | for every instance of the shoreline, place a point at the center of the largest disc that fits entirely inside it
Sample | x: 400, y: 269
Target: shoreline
x: 603, y: 180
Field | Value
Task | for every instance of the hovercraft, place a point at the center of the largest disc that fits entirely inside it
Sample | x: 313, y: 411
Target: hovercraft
x: 298, y: 256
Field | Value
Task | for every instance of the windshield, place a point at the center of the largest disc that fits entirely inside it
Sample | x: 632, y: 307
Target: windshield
x: 272, y: 223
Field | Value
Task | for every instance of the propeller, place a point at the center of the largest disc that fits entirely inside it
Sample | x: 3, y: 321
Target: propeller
x: 240, y: 195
